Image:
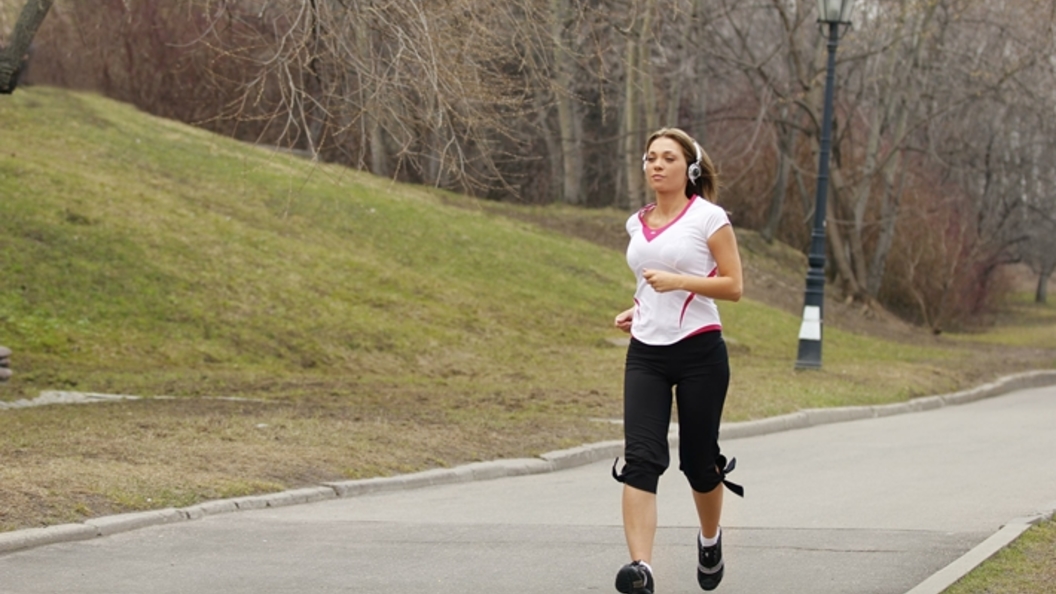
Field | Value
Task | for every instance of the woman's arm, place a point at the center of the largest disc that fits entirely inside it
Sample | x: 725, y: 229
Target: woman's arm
x: 727, y: 284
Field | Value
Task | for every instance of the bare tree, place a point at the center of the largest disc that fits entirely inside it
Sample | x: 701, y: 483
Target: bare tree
x: 423, y: 82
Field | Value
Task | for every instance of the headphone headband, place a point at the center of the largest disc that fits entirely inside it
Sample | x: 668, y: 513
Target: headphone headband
x: 694, y: 171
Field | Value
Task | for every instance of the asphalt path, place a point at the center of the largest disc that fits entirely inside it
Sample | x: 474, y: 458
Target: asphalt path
x: 871, y: 506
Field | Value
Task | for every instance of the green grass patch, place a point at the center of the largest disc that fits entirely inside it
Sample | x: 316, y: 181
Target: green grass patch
x: 1027, y: 566
x: 133, y: 242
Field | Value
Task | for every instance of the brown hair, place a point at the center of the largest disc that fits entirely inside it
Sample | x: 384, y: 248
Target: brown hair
x: 707, y: 185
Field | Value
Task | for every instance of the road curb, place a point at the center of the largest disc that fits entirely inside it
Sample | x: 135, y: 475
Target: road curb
x: 488, y: 470
x: 813, y: 417
x: 949, y: 575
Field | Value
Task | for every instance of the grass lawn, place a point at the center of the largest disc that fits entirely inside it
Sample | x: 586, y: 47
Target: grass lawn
x: 307, y: 322
x: 1027, y: 566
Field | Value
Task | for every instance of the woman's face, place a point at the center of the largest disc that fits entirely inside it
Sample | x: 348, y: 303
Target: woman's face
x: 665, y: 166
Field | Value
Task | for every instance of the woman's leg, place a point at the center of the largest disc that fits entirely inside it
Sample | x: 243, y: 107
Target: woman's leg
x: 709, y: 511
x: 639, y: 522
x: 701, y: 396
x: 647, y: 417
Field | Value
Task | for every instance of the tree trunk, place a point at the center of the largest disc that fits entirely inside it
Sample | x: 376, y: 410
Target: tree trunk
x: 1042, y: 293
x: 647, y: 88
x: 632, y: 112
x: 13, y: 56
x: 374, y: 134
x: 785, y: 139
x: 889, y: 207
x: 698, y: 79
x: 632, y: 195
x: 571, y: 146
x: 314, y: 117
x: 553, y: 146
x: 836, y: 243
x: 860, y: 201
x: 650, y: 105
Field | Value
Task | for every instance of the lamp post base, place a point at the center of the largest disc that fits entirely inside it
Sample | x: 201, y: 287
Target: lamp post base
x: 809, y: 354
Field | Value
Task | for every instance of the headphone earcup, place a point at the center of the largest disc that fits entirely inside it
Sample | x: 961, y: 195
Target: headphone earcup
x: 693, y: 172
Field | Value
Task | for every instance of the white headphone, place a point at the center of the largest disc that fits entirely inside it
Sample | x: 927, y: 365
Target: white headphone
x: 693, y: 172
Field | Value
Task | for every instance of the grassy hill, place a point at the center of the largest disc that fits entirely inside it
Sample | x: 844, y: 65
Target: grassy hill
x: 136, y: 244
x: 368, y: 327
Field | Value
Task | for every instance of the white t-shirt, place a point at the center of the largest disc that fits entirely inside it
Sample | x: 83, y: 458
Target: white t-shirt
x: 680, y: 247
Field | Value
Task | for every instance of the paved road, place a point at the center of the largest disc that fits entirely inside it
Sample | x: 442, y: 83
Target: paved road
x: 862, y: 507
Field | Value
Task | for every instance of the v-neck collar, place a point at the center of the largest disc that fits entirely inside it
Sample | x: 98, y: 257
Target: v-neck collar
x: 650, y: 233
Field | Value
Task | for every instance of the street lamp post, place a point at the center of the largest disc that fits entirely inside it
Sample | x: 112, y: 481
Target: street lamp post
x: 833, y: 13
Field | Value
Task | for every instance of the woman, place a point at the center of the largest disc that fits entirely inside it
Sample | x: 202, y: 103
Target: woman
x: 684, y: 255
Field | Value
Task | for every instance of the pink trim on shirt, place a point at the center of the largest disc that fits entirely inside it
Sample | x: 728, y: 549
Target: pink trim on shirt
x: 714, y: 272
x: 685, y: 306
x: 650, y: 233
x: 702, y: 330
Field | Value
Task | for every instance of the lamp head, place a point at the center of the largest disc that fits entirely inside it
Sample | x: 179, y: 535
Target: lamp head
x: 835, y: 11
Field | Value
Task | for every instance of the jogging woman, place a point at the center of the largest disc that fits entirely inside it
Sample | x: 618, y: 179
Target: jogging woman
x: 684, y: 256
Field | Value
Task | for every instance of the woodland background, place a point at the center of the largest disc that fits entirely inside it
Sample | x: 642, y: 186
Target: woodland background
x: 943, y: 167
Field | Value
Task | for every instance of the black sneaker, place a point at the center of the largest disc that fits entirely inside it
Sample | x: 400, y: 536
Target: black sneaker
x: 709, y: 564
x: 635, y: 578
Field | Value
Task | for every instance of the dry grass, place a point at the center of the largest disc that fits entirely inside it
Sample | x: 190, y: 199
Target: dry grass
x: 68, y: 463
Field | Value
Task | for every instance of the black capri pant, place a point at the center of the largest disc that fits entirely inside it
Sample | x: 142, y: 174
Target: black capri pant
x: 698, y: 369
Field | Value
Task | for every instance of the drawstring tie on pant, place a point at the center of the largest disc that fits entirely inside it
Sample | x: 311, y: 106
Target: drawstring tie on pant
x: 727, y: 469
x: 724, y: 469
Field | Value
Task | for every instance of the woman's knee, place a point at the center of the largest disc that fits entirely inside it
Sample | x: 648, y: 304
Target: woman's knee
x: 706, y: 477
x: 640, y: 474
x: 704, y: 481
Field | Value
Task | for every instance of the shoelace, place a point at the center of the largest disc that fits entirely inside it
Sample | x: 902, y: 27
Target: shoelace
x: 708, y: 555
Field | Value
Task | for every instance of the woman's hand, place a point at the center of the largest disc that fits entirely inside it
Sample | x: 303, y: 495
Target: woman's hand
x: 624, y: 319
x: 663, y: 282
x: 725, y: 283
